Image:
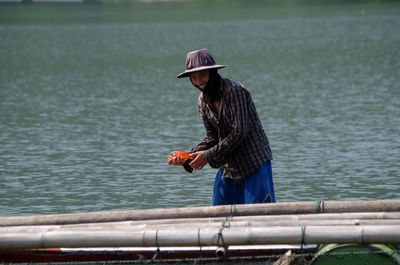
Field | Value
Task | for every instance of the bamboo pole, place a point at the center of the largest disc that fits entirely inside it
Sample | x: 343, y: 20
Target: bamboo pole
x: 204, y: 237
x: 136, y: 226
x: 207, y: 212
x: 271, y: 218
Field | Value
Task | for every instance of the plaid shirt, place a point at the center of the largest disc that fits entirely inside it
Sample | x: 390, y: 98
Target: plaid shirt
x: 235, y: 140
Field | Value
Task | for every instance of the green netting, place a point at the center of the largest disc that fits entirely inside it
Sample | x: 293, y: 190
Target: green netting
x: 355, y: 254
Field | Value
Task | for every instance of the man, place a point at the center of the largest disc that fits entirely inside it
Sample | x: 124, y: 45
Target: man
x: 235, y: 141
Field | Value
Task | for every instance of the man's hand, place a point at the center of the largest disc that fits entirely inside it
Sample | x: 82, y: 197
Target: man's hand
x: 175, y: 160
x: 199, y: 160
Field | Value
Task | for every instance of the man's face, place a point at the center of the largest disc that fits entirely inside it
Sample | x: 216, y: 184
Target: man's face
x: 200, y: 79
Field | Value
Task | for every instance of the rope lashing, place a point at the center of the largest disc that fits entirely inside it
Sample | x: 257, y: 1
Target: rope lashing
x: 303, y: 235
x: 303, y: 242
x: 198, y: 241
x: 233, y: 211
x: 157, y: 254
x: 226, y: 224
x: 221, y: 237
x: 319, y: 206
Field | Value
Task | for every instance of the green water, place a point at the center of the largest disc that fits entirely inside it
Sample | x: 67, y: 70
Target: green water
x: 90, y: 106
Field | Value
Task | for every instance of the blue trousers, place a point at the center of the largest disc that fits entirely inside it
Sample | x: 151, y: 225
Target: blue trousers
x: 257, y: 188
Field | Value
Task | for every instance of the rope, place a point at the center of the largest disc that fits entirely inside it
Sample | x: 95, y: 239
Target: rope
x: 198, y: 241
x: 157, y: 254
x: 233, y: 211
x: 319, y: 206
x: 226, y: 224
x: 221, y: 237
x: 303, y: 235
x: 303, y: 242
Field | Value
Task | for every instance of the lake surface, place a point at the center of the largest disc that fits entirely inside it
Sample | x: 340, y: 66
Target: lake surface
x: 90, y: 106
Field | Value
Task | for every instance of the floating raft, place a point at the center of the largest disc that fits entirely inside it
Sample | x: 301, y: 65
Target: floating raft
x: 220, y: 231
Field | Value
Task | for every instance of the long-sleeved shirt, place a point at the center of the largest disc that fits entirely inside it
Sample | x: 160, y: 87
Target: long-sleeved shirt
x: 235, y: 140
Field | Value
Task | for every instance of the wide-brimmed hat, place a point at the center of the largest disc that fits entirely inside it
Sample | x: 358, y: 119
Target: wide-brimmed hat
x: 199, y: 60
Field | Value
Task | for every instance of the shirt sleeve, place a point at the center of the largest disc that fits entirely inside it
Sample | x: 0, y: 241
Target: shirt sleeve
x: 238, y: 123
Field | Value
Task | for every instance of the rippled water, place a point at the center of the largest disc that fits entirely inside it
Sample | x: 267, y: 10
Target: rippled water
x: 90, y: 106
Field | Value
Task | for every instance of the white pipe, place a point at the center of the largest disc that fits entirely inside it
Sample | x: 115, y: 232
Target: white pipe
x: 177, y: 225
x: 220, y: 252
x: 204, y: 237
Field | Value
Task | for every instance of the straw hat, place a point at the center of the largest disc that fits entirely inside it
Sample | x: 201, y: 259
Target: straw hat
x: 199, y: 60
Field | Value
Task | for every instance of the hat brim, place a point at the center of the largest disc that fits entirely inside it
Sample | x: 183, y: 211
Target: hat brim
x: 187, y: 72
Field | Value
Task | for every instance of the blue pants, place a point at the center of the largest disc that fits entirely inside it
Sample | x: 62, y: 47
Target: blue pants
x: 257, y: 188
